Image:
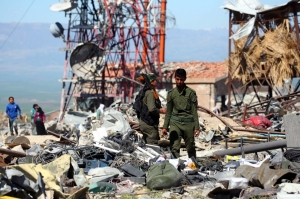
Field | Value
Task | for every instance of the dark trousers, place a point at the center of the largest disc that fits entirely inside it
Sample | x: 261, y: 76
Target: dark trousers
x: 40, y: 128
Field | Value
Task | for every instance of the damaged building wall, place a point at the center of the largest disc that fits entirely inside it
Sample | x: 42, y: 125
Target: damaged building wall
x: 208, y: 79
x: 208, y: 90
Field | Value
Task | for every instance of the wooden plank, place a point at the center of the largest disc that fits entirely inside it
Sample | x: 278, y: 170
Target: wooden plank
x: 40, y: 139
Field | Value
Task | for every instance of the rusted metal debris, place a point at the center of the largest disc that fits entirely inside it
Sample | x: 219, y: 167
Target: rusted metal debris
x: 12, y: 153
x: 62, y: 137
x: 203, y: 109
x: 288, y: 102
x: 3, y: 160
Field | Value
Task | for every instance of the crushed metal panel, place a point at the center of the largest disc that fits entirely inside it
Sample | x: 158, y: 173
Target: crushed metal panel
x: 62, y: 165
x: 31, y: 171
x: 292, y: 126
x: 245, y: 30
x: 260, y: 176
x: 243, y: 6
x: 250, y: 7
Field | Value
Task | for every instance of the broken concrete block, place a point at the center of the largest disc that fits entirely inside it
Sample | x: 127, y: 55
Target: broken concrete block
x: 18, y: 148
x: 59, y: 127
x: 85, y: 140
x: 51, y: 125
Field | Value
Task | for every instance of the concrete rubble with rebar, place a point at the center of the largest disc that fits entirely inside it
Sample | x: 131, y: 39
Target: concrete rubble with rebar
x: 84, y: 158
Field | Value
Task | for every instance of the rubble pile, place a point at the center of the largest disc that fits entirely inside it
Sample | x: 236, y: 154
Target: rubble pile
x: 84, y: 157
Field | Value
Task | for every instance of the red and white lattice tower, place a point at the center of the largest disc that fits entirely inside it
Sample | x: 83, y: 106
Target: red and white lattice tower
x: 108, y: 39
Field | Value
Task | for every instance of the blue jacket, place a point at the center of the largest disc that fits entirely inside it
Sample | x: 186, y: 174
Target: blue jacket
x: 12, y: 110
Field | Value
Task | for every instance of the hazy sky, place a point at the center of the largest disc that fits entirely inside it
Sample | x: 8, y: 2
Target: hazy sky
x: 190, y: 14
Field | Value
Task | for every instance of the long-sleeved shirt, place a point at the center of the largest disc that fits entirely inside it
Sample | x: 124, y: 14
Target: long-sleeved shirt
x: 151, y: 103
x: 13, y: 110
x: 153, y: 106
x: 183, y: 105
x: 32, y: 114
x: 39, y: 117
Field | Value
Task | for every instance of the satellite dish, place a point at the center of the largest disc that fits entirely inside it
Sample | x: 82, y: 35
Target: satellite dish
x: 170, y: 20
x: 63, y: 6
x: 87, y: 60
x: 57, y: 29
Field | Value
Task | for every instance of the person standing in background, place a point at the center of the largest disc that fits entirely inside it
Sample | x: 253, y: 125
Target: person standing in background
x: 148, y: 107
x: 12, y: 111
x: 181, y: 118
x: 39, y: 120
x: 32, y: 114
x: 100, y: 114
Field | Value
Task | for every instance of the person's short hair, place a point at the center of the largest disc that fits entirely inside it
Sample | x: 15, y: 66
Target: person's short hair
x: 11, y: 97
x: 34, y: 105
x: 180, y: 72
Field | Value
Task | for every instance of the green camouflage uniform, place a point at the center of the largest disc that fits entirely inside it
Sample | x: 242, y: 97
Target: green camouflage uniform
x: 150, y: 133
x: 182, y: 118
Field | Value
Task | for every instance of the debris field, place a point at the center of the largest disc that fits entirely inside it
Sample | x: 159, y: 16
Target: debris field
x: 83, y: 157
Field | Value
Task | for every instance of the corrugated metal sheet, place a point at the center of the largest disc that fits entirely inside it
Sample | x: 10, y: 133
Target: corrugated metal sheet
x: 292, y: 129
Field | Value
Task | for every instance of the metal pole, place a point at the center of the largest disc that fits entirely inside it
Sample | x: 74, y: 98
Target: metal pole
x: 257, y: 96
x: 123, y: 63
x: 62, y: 100
x: 103, y: 85
x: 245, y: 112
x: 252, y: 148
x: 145, y: 32
x: 242, y: 148
x: 162, y: 31
x: 229, y: 65
x: 106, y: 148
x: 234, y: 95
x: 60, y: 136
x: 12, y: 153
x: 296, y: 23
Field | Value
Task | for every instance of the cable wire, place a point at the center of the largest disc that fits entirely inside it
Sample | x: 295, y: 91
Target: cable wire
x: 16, y: 25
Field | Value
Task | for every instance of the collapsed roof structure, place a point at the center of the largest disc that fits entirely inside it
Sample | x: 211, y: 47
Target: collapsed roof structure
x: 263, y: 47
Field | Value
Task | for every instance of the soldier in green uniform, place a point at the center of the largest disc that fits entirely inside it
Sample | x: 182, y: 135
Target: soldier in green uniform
x: 150, y: 108
x: 181, y: 116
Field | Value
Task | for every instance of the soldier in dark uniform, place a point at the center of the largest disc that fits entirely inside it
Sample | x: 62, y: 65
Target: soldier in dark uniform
x: 181, y: 116
x: 150, y: 110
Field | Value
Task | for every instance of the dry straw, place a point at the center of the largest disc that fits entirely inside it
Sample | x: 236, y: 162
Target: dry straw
x: 272, y: 55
